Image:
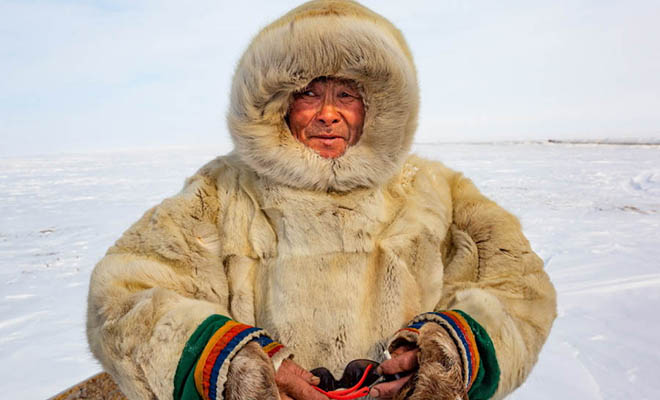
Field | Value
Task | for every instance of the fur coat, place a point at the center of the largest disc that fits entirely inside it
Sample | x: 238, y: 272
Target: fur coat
x: 330, y: 256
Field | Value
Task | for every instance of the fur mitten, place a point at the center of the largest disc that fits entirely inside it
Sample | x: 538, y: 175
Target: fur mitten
x: 251, y: 375
x: 440, y: 373
x: 452, y: 346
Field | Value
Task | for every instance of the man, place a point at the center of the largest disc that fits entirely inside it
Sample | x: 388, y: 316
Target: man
x: 320, y: 240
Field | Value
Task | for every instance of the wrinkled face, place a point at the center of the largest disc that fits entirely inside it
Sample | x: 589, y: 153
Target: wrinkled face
x: 327, y: 116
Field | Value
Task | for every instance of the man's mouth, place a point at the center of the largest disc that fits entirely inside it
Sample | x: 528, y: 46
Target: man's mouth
x: 328, y: 139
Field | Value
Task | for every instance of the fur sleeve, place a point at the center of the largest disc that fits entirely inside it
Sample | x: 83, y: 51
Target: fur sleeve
x: 493, y: 275
x: 150, y: 292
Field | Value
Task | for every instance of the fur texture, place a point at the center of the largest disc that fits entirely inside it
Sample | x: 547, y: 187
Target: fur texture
x: 331, y: 257
x: 440, y: 372
x: 325, y: 38
x: 251, y: 376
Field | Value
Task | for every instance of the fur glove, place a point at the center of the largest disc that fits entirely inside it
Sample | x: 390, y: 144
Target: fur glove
x: 440, y: 373
x: 251, y: 375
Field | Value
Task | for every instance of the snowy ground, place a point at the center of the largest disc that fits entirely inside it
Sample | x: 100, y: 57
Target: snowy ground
x: 592, y: 212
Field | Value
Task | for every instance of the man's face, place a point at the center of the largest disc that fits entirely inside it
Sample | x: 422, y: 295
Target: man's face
x: 327, y: 116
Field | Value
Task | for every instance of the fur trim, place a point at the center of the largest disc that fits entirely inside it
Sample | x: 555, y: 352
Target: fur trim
x: 325, y: 38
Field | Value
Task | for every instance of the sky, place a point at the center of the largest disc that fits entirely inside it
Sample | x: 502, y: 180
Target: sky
x: 85, y: 75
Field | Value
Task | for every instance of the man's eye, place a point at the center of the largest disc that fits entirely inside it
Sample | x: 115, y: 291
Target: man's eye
x: 308, y: 93
x: 345, y: 94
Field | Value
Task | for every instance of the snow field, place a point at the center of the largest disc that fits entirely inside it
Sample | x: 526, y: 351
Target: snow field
x: 592, y: 212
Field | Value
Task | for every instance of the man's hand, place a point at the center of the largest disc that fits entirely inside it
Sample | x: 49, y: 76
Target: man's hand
x: 295, y: 383
x: 404, y: 362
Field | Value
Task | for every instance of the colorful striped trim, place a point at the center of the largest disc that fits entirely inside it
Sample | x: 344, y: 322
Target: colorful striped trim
x: 269, y: 346
x: 231, y: 343
x: 410, y: 329
x: 480, y: 367
x: 184, y: 377
x: 204, y: 364
x: 210, y: 346
x: 212, y: 366
x: 488, y: 377
x: 460, y: 331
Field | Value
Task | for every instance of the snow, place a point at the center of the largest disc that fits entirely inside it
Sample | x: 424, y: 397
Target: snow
x: 592, y: 212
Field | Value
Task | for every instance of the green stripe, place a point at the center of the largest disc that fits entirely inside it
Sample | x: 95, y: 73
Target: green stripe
x: 184, y: 378
x: 488, y: 376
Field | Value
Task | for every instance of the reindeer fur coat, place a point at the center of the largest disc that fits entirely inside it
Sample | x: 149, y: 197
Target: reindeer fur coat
x: 330, y: 256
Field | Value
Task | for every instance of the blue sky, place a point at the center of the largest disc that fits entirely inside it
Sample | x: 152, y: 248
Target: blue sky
x: 94, y: 75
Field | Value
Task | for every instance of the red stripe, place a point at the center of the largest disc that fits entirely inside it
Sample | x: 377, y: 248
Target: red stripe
x: 471, y: 338
x: 472, y: 345
x: 275, y: 350
x: 219, y: 346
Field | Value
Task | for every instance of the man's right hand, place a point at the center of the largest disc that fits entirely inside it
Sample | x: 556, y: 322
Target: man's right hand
x: 296, y: 383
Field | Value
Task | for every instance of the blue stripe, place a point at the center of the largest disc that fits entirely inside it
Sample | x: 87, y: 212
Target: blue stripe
x: 458, y: 331
x: 417, y: 325
x: 263, y: 340
x: 223, y: 355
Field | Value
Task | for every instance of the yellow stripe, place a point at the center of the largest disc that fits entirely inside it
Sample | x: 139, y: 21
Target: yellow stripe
x: 270, y: 346
x: 199, y: 369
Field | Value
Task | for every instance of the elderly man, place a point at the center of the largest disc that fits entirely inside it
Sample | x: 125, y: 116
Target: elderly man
x: 319, y: 240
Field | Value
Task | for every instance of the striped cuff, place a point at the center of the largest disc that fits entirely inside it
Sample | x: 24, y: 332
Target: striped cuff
x: 460, y: 331
x: 480, y: 368
x: 204, y: 363
x: 275, y: 350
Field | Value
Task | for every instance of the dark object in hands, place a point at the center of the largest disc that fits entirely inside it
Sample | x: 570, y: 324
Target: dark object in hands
x: 354, y: 372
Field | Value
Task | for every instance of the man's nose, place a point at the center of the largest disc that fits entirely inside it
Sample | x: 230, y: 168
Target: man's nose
x: 328, y: 114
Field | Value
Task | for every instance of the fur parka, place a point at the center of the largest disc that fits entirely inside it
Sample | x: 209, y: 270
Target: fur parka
x: 330, y: 256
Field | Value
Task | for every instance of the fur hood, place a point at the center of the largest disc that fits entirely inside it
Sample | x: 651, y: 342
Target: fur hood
x: 325, y: 38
